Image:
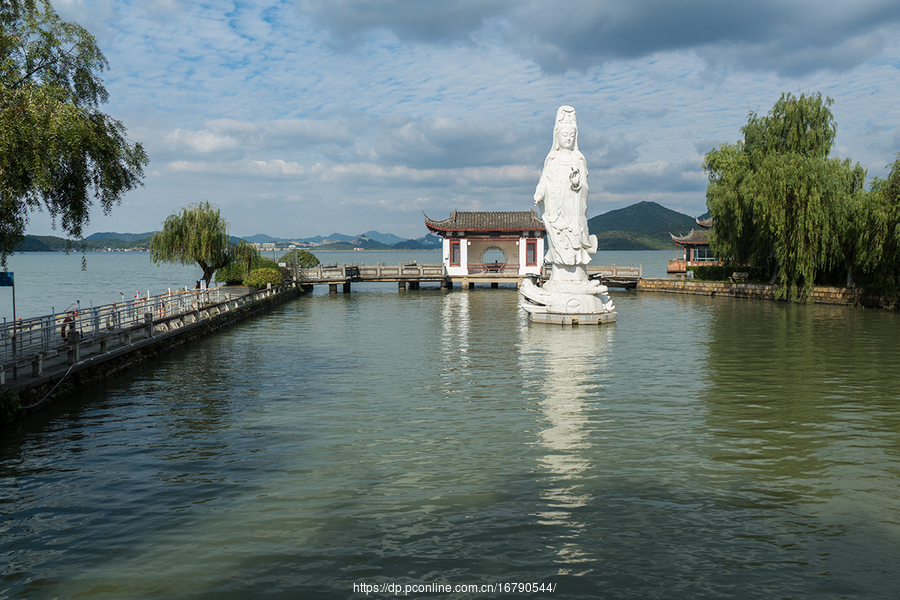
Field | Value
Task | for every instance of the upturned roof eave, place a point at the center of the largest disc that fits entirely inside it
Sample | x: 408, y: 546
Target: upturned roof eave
x: 694, y: 238
x: 512, y: 229
x: 529, y: 222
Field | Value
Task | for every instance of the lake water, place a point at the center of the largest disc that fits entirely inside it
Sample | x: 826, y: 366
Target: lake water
x: 698, y: 448
x: 48, y: 282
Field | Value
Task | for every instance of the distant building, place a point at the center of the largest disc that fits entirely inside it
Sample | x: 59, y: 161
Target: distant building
x: 509, y: 243
x: 696, y: 248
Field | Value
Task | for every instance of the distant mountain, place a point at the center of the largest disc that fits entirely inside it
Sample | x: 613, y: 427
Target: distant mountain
x: 409, y: 245
x: 125, y: 237
x: 33, y: 244
x: 641, y: 226
x: 44, y: 243
x: 388, y: 239
x: 338, y: 237
x: 369, y: 244
x: 313, y: 240
x: 260, y: 238
x: 370, y: 240
x: 332, y: 246
x: 357, y: 242
x: 431, y: 241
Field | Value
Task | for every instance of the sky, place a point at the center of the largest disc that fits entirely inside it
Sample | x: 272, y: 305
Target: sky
x: 300, y: 118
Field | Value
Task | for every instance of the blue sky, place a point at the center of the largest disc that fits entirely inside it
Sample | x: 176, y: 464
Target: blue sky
x: 307, y: 117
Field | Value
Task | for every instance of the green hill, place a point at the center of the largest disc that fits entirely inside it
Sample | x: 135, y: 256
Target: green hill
x: 359, y: 242
x: 33, y: 244
x: 335, y: 246
x: 125, y: 237
x: 641, y: 226
x: 45, y: 243
x: 409, y: 245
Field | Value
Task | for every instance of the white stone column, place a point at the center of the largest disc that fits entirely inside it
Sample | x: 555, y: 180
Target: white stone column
x: 464, y: 254
x: 522, y: 247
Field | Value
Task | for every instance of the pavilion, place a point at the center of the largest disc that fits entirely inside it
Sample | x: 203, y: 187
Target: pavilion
x: 696, y: 248
x: 490, y: 246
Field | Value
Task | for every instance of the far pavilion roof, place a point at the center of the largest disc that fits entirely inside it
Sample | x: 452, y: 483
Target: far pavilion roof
x: 487, y: 221
x: 694, y: 238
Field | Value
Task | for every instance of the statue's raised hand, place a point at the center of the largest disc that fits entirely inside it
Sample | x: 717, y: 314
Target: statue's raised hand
x: 575, y: 178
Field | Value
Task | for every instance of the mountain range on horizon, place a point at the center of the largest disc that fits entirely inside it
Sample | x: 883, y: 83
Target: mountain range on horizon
x: 641, y: 226
x: 388, y: 239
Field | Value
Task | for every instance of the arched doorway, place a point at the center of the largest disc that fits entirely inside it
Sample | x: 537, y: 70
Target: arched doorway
x: 494, y: 258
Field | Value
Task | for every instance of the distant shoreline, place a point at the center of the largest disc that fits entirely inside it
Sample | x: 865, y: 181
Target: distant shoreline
x: 368, y: 250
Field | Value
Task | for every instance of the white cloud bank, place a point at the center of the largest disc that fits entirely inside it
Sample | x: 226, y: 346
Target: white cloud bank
x: 309, y: 117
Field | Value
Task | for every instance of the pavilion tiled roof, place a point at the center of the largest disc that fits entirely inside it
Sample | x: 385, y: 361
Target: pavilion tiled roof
x: 486, y: 221
x: 705, y: 223
x: 694, y: 238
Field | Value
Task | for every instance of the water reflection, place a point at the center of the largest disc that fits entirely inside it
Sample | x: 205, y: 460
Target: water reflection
x: 568, y: 365
x: 803, y: 403
x: 788, y: 393
x: 689, y: 451
x: 455, y: 329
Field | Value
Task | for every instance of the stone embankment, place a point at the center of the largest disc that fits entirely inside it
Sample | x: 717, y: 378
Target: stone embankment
x: 85, y: 364
x: 819, y: 294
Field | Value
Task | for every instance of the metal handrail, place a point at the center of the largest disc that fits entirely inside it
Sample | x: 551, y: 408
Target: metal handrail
x: 362, y: 272
x: 493, y: 267
x: 49, y: 333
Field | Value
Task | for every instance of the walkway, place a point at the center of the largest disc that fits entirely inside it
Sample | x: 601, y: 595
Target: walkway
x: 410, y: 275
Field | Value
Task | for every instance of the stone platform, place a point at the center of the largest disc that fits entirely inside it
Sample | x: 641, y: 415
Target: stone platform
x: 585, y: 319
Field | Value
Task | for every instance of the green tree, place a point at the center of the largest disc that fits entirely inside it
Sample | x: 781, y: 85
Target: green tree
x: 305, y: 258
x: 243, y: 254
x: 199, y: 234
x: 879, y: 233
x: 849, y: 220
x: 57, y: 149
x: 236, y: 272
x: 778, y: 200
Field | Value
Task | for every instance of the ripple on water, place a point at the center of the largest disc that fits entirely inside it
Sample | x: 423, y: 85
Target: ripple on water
x: 699, y: 447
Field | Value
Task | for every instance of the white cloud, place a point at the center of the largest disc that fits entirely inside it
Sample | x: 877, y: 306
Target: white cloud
x: 655, y: 176
x: 276, y: 167
x: 201, y: 141
x: 375, y: 104
x: 188, y: 166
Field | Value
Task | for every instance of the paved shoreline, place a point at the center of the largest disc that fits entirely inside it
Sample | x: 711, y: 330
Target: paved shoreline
x: 819, y: 294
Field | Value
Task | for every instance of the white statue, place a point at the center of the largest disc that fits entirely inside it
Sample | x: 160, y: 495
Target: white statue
x: 562, y: 192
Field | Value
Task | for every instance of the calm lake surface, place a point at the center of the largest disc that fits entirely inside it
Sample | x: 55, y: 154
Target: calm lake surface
x: 698, y: 448
x: 48, y: 282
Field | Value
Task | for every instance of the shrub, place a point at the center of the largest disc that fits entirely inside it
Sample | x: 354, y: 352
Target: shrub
x: 230, y: 275
x: 10, y: 407
x: 261, y: 277
x: 304, y: 257
x: 235, y: 273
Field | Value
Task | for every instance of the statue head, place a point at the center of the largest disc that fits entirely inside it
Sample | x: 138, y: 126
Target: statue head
x: 565, y: 120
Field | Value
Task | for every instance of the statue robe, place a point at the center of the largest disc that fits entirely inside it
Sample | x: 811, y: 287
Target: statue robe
x: 565, y: 210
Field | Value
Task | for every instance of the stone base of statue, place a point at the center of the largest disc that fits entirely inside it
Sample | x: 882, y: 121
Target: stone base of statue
x: 567, y: 298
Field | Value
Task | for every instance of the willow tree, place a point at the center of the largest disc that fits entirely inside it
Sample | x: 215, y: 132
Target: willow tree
x: 776, y: 197
x: 199, y: 234
x: 58, y: 151
x: 879, y: 237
